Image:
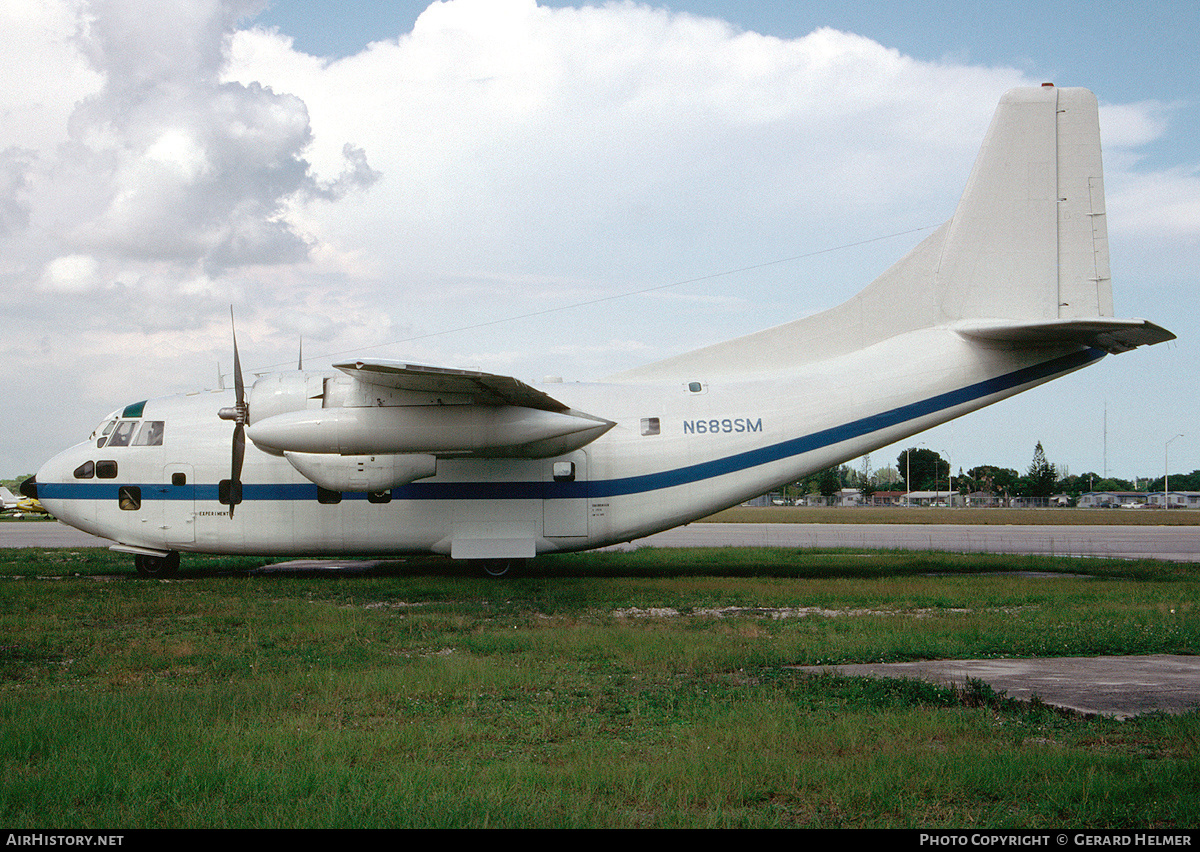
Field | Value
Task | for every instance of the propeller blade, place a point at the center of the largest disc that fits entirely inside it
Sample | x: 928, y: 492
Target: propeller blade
x: 235, y: 473
x: 240, y: 415
x: 239, y: 387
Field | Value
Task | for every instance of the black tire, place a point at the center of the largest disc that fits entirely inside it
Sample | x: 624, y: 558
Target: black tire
x: 498, y: 569
x: 157, y: 566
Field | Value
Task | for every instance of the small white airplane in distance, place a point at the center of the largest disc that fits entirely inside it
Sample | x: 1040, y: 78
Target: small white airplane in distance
x: 382, y: 457
x: 19, y: 506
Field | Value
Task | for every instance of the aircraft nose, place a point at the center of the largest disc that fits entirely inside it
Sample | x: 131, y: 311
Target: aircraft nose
x: 28, y: 488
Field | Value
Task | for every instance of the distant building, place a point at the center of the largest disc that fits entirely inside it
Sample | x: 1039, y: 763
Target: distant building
x: 1174, y: 500
x: 1113, y: 499
x: 934, y: 498
x: 849, y: 497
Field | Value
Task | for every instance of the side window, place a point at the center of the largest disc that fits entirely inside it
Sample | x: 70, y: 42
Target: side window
x: 650, y: 426
x: 85, y: 471
x: 151, y: 434
x: 106, y: 469
x: 564, y: 471
x: 129, y: 498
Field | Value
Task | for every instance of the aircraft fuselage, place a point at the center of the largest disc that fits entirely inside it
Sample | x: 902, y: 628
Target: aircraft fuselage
x: 678, y: 452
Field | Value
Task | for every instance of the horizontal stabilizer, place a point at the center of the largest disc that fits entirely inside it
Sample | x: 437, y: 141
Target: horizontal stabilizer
x: 1111, y: 335
x: 484, y: 388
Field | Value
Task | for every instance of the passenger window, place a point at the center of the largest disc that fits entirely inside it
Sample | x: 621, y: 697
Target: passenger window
x: 650, y: 426
x: 106, y: 469
x: 122, y: 435
x: 129, y: 498
x: 564, y: 471
x: 151, y: 434
x: 85, y: 471
x: 179, y: 479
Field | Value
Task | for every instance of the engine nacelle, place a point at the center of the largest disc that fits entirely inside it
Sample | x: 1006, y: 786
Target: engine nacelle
x: 460, y: 430
x: 362, y: 473
x: 281, y: 393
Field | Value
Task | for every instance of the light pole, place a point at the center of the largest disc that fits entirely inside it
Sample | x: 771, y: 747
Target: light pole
x: 908, y: 474
x: 1167, y: 474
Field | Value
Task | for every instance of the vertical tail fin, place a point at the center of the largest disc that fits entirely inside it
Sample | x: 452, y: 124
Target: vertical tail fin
x: 1024, y: 259
x: 1029, y: 240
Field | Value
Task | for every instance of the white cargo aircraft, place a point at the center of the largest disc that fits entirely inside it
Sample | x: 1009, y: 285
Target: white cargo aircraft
x: 384, y: 457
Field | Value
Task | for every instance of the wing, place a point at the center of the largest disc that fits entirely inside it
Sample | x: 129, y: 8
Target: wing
x: 483, y: 388
x: 372, y: 441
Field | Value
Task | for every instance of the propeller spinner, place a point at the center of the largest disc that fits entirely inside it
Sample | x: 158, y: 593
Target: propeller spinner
x: 239, y: 414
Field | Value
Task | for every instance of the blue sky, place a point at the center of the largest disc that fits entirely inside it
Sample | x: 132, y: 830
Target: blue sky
x: 338, y: 175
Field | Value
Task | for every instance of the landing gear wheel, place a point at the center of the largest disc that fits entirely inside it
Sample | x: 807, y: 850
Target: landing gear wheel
x: 157, y: 566
x: 498, y: 568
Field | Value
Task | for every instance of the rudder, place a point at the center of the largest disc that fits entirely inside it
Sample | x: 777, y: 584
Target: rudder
x: 1029, y: 240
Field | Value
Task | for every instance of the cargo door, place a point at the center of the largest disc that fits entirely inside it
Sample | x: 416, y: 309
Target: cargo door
x: 565, y: 509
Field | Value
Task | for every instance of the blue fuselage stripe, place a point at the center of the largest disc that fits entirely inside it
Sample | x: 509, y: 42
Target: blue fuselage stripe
x: 108, y: 490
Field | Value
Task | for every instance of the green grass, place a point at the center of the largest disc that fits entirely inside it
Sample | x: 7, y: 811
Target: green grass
x: 420, y: 696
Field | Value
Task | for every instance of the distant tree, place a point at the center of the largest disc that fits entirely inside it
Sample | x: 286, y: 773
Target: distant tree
x: 999, y: 481
x: 866, y: 484
x: 925, y: 467
x: 1179, y: 482
x: 1041, y: 476
x: 828, y: 483
x: 886, y: 479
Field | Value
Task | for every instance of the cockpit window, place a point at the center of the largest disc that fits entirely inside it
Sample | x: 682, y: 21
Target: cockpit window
x: 120, y: 433
x: 151, y: 434
x: 102, y: 432
x: 123, y: 434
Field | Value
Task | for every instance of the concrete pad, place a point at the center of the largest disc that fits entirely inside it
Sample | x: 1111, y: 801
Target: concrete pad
x: 1121, y: 687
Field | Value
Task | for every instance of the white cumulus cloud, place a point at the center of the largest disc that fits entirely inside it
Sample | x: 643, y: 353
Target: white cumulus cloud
x: 162, y: 160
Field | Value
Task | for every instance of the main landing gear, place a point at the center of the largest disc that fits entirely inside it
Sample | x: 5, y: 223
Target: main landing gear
x: 166, y: 565
x: 501, y: 568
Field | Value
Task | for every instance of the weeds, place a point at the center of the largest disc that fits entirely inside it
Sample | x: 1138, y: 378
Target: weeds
x: 601, y: 690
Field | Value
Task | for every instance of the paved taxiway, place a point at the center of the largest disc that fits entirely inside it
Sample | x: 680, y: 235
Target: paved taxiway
x: 1116, y: 686
x: 1175, y: 544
